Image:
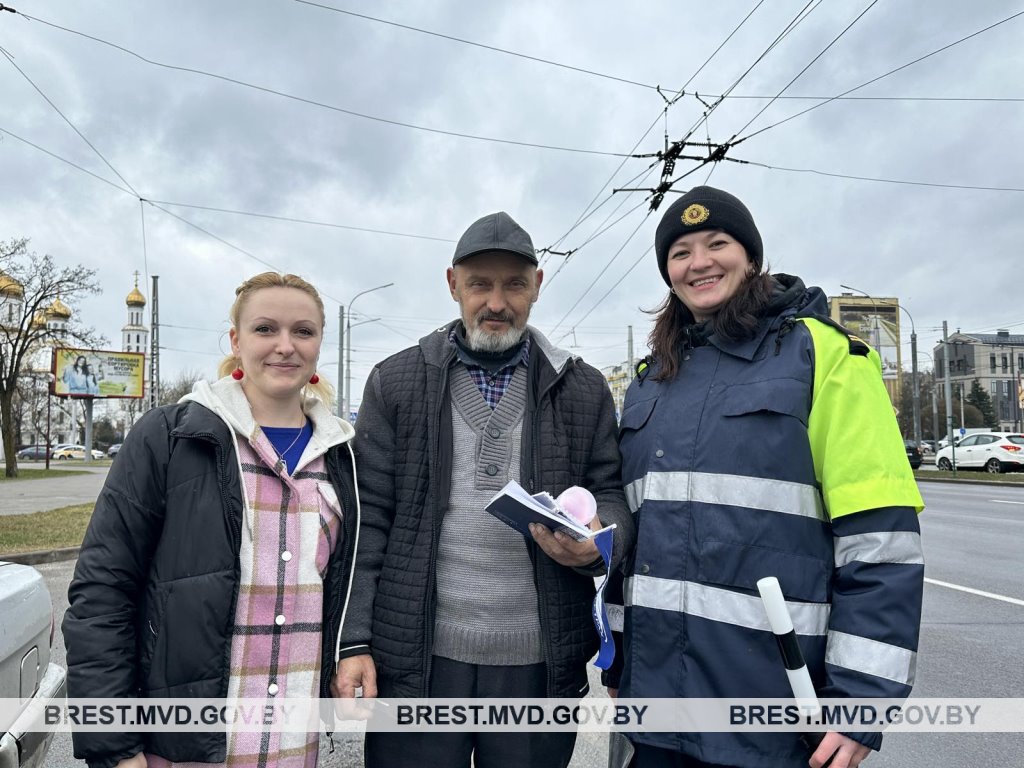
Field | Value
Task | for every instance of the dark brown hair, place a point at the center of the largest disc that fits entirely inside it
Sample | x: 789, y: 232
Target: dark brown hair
x: 735, y: 321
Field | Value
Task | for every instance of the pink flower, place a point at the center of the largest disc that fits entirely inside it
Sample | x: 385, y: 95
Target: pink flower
x: 579, y: 504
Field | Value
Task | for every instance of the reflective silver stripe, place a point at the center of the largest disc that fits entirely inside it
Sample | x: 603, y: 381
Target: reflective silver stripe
x: 729, y: 490
x: 717, y: 604
x: 871, y: 657
x: 616, y: 616
x: 903, y: 547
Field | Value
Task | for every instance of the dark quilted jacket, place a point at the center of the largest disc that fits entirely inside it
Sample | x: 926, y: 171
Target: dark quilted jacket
x: 404, y: 454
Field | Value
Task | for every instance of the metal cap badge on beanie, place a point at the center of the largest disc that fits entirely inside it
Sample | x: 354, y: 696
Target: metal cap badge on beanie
x: 707, y: 208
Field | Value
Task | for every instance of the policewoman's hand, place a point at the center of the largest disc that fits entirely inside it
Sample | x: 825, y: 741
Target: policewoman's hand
x: 847, y: 752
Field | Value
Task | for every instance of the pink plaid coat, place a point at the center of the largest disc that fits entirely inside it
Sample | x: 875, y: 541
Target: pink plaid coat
x: 291, y: 526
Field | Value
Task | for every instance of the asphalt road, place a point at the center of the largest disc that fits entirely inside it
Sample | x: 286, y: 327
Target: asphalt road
x: 970, y: 645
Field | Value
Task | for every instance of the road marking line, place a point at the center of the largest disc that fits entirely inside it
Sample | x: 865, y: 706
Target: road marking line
x: 1004, y: 598
x: 1001, y: 501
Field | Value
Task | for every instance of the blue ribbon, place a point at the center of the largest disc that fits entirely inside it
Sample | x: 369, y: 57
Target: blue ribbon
x: 606, y: 655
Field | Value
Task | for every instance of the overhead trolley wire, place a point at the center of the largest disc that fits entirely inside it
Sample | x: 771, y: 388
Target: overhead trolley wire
x: 324, y: 105
x: 886, y: 181
x: 669, y: 102
x: 801, y: 15
x: 809, y: 65
x: 887, y: 74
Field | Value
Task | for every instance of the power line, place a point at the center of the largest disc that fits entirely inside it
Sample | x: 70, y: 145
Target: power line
x: 303, y: 221
x: 324, y: 105
x: 66, y: 120
x: 599, y: 274
x: 331, y: 224
x: 69, y: 162
x: 1006, y: 99
x: 887, y: 74
x: 886, y: 181
x: 475, y: 44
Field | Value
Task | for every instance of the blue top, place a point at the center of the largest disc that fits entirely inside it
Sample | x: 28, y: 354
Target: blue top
x: 289, y: 442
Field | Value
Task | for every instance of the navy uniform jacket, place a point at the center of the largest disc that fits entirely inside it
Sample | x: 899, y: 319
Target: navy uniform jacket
x: 775, y: 456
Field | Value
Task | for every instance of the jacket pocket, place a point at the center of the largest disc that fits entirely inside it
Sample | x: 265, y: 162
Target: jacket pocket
x: 742, y: 565
x: 152, y: 630
x: 636, y: 415
x: 789, y: 397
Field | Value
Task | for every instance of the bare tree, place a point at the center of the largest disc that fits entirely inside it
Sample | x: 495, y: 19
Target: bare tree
x: 40, y: 282
x: 173, y: 391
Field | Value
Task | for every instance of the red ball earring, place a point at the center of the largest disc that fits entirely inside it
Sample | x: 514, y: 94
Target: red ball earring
x: 237, y: 374
x: 314, y: 379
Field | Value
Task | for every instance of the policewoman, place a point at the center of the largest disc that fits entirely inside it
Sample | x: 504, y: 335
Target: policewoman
x: 758, y: 440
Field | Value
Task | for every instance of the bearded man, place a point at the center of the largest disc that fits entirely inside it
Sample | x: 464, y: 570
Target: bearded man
x: 447, y: 601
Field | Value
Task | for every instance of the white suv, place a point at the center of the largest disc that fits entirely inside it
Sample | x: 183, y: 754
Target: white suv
x: 994, y: 452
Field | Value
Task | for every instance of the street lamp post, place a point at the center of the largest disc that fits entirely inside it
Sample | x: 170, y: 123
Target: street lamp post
x: 347, y: 400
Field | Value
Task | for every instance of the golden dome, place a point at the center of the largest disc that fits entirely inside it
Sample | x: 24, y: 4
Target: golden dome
x: 135, y: 298
x: 59, y: 309
x: 38, y: 321
x: 10, y: 287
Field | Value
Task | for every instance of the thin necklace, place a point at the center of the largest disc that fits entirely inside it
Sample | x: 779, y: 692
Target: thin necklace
x: 280, y: 463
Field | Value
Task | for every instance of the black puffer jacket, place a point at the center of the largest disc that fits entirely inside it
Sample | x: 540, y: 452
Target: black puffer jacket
x: 404, y: 453
x: 152, y: 602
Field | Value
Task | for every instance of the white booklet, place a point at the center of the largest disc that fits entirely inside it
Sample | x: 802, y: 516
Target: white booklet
x: 517, y: 508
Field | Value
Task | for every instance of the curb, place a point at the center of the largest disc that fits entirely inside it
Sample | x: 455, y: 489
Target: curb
x: 947, y: 477
x: 42, y: 556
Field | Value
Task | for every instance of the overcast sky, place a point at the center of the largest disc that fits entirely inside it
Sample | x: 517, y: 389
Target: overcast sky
x: 947, y: 253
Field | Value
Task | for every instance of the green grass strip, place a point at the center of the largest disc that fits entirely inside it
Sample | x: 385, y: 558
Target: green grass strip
x: 55, y: 529
x: 27, y: 473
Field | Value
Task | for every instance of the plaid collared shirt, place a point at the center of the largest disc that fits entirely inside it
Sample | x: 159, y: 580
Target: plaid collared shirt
x: 493, y: 386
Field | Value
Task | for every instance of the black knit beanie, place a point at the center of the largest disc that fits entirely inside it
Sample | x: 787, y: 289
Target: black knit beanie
x: 707, y: 208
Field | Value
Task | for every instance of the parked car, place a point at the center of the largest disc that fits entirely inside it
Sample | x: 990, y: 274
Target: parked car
x: 74, y: 452
x: 27, y: 676
x: 913, y: 454
x: 112, y: 450
x: 33, y: 452
x: 994, y: 452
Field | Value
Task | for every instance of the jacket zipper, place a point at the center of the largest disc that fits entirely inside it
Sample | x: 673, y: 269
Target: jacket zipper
x: 337, y: 566
x: 236, y: 531
x: 535, y: 466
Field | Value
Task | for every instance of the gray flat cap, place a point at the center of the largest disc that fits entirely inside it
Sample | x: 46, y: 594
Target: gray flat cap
x: 495, y: 232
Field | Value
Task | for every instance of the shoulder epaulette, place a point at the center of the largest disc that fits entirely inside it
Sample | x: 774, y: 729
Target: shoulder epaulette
x: 857, y: 345
x: 644, y: 367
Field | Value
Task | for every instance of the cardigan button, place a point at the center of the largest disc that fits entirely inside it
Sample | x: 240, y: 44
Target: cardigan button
x: 645, y: 568
x: 279, y: 620
x: 494, y: 432
x: 659, y: 453
x: 272, y: 689
x: 491, y: 470
x: 286, y: 555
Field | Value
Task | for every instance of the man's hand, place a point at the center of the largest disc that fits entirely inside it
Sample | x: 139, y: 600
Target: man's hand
x: 848, y: 753
x: 564, y: 549
x: 354, y: 672
x: 139, y: 761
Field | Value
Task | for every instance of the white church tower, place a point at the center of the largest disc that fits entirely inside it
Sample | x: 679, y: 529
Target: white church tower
x: 135, y: 335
